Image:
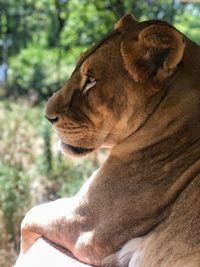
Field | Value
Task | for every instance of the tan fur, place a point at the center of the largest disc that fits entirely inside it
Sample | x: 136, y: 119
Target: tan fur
x: 145, y: 107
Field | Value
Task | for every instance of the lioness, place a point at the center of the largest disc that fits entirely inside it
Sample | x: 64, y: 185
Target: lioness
x: 136, y: 92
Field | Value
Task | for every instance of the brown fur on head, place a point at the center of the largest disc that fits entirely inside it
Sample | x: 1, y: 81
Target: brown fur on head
x: 95, y: 108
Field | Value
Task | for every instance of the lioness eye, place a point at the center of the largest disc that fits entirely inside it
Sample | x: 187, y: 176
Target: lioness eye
x: 90, y: 82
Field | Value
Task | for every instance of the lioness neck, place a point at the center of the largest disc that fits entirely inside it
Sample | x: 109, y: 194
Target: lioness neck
x: 163, y: 156
x: 174, y: 126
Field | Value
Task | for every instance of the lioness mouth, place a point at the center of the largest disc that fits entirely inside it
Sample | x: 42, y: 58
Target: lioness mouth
x: 76, y: 150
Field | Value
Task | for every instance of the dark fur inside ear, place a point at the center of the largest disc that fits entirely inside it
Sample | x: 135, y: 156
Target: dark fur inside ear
x: 147, y: 67
x: 154, y: 55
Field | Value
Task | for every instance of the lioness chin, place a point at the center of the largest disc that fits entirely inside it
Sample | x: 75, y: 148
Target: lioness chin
x: 136, y: 92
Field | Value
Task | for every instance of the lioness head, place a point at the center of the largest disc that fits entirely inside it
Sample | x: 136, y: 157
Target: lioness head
x: 116, y: 85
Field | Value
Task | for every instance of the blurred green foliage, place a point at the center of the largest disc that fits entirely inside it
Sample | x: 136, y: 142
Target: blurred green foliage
x: 32, y: 169
x: 14, y: 188
x: 48, y: 35
x: 45, y: 38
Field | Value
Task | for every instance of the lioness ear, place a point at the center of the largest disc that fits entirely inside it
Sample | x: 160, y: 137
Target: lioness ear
x: 155, y: 54
x: 126, y: 21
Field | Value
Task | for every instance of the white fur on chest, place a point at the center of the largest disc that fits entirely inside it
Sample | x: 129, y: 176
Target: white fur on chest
x: 128, y: 256
x: 131, y: 252
x: 135, y: 260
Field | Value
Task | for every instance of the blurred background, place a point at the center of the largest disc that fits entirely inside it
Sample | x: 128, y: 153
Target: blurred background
x: 40, y: 41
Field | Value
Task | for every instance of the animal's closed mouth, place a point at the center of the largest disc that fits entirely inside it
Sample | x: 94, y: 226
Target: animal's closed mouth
x: 76, y: 150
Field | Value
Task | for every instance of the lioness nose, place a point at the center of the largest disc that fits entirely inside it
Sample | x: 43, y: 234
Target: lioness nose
x: 54, y: 107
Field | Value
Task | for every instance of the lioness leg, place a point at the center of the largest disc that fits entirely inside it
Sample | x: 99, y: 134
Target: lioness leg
x: 50, y: 220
